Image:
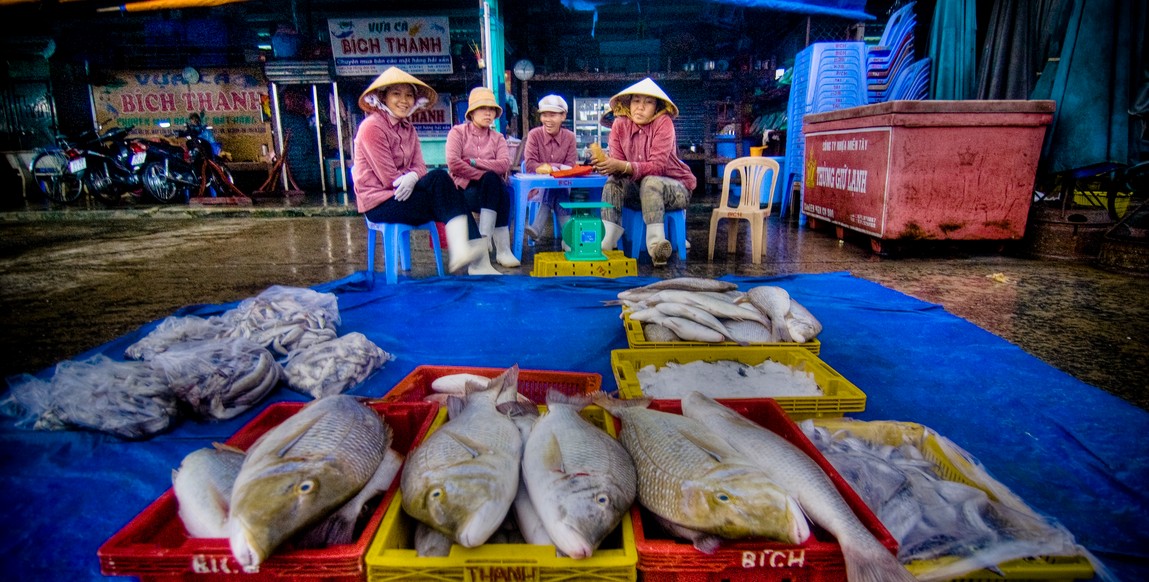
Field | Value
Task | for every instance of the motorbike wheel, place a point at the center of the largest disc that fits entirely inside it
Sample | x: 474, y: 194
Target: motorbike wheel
x: 216, y: 182
x: 162, y: 185
x: 99, y: 183
x: 50, y: 170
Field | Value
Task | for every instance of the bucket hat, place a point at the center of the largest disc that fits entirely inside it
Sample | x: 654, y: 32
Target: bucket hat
x: 552, y: 103
x: 397, y: 76
x: 482, y: 97
x: 646, y: 87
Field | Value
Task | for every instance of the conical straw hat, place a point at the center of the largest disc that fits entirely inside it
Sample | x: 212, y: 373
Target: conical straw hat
x: 644, y: 87
x: 397, y: 76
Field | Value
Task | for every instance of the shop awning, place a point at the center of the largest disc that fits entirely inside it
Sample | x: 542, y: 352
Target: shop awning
x: 841, y: 8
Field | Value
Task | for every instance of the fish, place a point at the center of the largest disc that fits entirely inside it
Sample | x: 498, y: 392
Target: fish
x: 688, y: 476
x: 774, y: 302
x: 692, y: 284
x: 530, y: 524
x: 462, y: 479
x: 430, y: 542
x: 683, y: 329
x: 717, y: 307
x: 697, y: 315
x: 580, y: 479
x: 654, y: 332
x: 332, y: 451
x: 456, y: 383
x: 751, y: 332
x: 202, y: 486
x: 867, y: 560
x: 802, y: 324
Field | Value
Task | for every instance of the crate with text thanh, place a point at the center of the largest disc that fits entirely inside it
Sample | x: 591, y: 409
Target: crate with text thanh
x: 839, y: 395
x: 665, y: 558
x: 156, y: 546
x: 392, y: 556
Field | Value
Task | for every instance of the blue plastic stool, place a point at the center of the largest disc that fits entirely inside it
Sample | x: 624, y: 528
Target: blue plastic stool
x: 634, y: 232
x: 396, y: 251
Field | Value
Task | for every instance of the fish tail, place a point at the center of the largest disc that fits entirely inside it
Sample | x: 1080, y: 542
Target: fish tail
x: 615, y: 404
x: 872, y: 562
x: 581, y: 401
x: 611, y: 302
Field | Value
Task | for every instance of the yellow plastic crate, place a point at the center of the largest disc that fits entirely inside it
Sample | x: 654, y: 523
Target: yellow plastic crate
x: 954, y: 467
x: 392, y: 556
x: 635, y: 338
x: 556, y: 265
x: 839, y: 396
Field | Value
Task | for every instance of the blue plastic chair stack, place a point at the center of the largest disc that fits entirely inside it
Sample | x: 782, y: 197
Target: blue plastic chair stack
x: 827, y: 76
x: 891, y: 72
x: 397, y: 248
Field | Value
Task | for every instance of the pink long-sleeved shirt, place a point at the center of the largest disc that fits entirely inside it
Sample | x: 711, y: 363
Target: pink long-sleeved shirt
x: 651, y: 149
x: 487, y: 147
x: 544, y: 148
x: 385, y: 148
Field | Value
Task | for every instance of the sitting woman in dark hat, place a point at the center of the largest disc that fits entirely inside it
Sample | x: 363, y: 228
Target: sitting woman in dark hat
x: 643, y: 166
x: 392, y: 183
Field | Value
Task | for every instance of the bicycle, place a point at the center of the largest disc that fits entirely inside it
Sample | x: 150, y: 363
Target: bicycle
x: 57, y: 172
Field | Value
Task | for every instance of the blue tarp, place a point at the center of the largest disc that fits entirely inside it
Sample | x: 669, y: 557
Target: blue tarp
x: 1070, y: 450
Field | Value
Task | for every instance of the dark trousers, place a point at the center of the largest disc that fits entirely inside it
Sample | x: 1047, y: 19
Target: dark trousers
x: 435, y: 198
x: 489, y: 192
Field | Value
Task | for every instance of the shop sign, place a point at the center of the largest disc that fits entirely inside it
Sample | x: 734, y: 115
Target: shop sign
x: 435, y: 120
x: 157, y: 102
x: 368, y: 46
x: 845, y: 178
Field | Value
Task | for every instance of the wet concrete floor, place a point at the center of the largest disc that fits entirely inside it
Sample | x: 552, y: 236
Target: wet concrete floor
x: 72, y: 280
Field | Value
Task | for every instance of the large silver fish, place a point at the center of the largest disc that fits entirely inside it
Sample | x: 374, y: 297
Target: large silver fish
x: 699, y: 485
x: 580, y: 479
x: 774, y: 302
x: 867, y: 560
x: 329, y: 453
x: 202, y: 487
x: 463, y: 477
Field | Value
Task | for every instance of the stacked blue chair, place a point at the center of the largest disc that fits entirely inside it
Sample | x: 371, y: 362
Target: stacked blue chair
x: 397, y: 248
x: 891, y: 72
x: 827, y: 76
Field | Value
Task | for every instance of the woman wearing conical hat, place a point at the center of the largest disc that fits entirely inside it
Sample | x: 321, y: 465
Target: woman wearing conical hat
x: 645, y: 172
x: 479, y: 162
x: 392, y: 183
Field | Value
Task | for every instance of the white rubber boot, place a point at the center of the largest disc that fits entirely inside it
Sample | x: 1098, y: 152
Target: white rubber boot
x: 503, y: 253
x: 482, y: 265
x: 610, y: 237
x: 462, y: 252
x: 535, y: 229
x: 656, y: 244
x: 487, y: 222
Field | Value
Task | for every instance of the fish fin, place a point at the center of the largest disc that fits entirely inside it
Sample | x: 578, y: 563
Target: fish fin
x: 339, y: 527
x: 175, y: 473
x: 552, y: 455
x: 703, y: 542
x: 581, y: 401
x: 455, y: 406
x: 228, y: 448
x: 474, y: 447
x: 518, y: 408
x: 612, y: 302
x: 709, y: 448
x: 299, y: 433
x: 612, y: 404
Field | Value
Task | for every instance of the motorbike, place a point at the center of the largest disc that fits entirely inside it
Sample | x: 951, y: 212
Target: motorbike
x: 172, y: 172
x: 105, y: 165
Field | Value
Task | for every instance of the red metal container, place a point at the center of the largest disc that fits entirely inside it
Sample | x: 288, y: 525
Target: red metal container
x: 910, y: 170
x: 155, y: 545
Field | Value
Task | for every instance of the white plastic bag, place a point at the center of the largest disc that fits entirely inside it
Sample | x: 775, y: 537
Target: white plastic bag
x: 219, y: 378
x: 284, y: 319
x: 334, y: 366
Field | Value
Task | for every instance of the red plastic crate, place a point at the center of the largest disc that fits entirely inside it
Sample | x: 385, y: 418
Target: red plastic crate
x: 533, y: 384
x: 662, y: 557
x: 155, y: 545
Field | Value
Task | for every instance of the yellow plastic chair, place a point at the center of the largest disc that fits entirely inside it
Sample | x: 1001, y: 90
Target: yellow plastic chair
x: 753, y: 171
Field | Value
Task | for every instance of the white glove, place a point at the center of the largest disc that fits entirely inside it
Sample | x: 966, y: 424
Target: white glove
x: 404, y: 185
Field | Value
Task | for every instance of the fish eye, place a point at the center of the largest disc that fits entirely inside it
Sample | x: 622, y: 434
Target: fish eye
x: 306, y: 486
x: 723, y: 497
x: 602, y: 499
x: 435, y: 493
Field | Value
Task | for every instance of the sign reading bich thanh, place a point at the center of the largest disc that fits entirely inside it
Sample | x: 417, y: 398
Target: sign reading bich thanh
x: 368, y: 46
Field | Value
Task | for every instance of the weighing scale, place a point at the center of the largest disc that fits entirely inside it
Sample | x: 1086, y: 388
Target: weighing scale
x: 584, y: 231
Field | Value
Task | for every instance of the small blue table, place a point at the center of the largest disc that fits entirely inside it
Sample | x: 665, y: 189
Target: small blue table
x: 522, y: 184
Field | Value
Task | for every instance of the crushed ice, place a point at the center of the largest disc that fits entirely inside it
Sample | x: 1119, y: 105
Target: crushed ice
x: 727, y: 379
